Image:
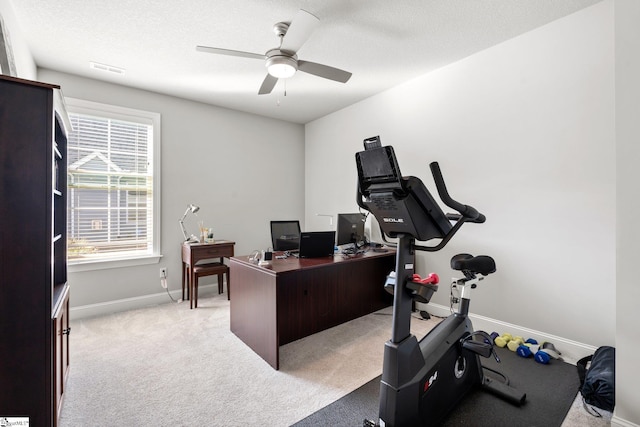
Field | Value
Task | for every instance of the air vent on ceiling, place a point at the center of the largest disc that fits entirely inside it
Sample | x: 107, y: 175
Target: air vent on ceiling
x: 107, y: 68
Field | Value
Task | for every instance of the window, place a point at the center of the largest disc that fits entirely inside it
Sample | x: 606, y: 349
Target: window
x: 113, y: 185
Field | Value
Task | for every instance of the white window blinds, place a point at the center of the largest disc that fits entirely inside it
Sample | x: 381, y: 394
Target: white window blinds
x: 110, y: 186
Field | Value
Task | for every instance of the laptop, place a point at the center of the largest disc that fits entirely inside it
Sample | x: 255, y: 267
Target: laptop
x: 315, y: 244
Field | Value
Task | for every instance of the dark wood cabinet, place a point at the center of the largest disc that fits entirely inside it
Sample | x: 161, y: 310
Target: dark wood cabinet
x: 34, y: 294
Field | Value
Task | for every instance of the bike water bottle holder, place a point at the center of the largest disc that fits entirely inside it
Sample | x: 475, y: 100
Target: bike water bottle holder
x: 421, y: 288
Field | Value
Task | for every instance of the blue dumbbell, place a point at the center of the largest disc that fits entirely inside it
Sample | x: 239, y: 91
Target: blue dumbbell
x: 538, y: 355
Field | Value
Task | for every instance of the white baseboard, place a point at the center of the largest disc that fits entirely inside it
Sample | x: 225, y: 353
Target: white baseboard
x: 572, y: 351
x: 101, y: 309
x: 619, y: 422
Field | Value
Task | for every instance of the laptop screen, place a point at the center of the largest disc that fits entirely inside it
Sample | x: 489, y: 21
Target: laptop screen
x: 315, y: 244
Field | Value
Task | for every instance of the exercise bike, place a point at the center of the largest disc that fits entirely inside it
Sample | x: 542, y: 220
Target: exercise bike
x: 422, y: 381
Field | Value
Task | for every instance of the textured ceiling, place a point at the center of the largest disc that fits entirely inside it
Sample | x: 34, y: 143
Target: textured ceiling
x: 382, y: 42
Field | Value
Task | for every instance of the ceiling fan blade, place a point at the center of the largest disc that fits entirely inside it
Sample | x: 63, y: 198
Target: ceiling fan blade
x: 267, y: 85
x: 299, y: 31
x: 228, y: 52
x: 324, y: 71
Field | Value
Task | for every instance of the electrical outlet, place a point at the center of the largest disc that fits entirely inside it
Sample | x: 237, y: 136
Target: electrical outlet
x: 163, y: 272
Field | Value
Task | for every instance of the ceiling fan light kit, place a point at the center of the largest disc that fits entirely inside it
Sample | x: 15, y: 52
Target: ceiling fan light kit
x: 280, y: 65
x: 283, y: 62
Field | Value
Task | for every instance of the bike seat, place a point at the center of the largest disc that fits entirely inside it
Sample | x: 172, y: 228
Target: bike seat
x: 482, y: 264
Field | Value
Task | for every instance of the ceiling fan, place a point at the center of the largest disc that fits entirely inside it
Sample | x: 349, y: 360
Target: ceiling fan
x: 282, y: 62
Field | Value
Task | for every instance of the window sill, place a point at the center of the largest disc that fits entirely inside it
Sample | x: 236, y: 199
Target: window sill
x: 90, y: 265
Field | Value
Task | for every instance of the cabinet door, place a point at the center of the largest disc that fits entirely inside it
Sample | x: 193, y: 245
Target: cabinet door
x: 61, y: 354
x: 57, y: 363
x: 306, y: 303
x: 64, y: 343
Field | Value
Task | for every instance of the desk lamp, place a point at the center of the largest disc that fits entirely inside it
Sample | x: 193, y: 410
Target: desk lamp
x: 193, y: 209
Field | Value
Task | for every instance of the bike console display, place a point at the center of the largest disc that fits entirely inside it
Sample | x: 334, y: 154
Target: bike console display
x: 402, y: 205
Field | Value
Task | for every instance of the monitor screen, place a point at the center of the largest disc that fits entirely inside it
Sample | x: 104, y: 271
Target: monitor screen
x: 285, y: 235
x: 350, y: 228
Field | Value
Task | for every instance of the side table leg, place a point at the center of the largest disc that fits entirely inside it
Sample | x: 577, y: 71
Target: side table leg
x: 183, y: 267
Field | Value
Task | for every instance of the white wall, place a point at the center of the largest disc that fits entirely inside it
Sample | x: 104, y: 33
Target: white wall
x: 627, y: 16
x: 228, y: 163
x: 25, y: 66
x: 524, y: 131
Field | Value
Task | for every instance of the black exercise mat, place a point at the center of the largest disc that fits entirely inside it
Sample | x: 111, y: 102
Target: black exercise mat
x: 551, y: 390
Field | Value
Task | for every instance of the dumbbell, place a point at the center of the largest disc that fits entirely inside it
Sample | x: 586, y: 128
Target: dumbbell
x: 546, y: 352
x: 527, y: 350
x: 530, y: 342
x: 502, y: 340
x: 540, y: 354
x: 493, y: 337
x: 542, y: 357
x: 515, y: 343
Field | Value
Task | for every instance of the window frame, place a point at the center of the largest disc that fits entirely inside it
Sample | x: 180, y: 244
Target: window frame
x: 81, y: 106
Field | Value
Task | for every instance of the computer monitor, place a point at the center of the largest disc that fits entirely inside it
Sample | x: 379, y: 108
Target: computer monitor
x: 350, y: 229
x: 285, y: 235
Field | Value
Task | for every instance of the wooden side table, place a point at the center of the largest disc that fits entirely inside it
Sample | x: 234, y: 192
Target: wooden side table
x: 192, y: 253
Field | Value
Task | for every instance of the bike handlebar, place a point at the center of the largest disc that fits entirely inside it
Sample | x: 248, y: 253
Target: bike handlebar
x: 468, y: 212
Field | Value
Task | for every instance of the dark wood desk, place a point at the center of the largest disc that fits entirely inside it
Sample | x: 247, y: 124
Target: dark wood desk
x: 194, y: 252
x: 294, y: 298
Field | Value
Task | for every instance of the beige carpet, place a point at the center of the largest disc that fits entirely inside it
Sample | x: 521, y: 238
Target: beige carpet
x: 171, y: 366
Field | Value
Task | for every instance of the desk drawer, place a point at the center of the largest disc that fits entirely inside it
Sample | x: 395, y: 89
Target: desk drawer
x: 214, y: 252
